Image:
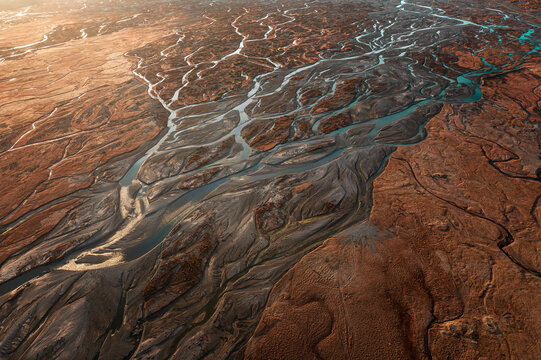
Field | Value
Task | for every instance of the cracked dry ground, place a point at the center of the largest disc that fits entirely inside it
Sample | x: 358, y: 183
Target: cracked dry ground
x: 460, y: 275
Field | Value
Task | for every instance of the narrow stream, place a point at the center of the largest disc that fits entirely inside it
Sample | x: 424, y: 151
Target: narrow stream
x: 392, y: 48
x: 395, y: 83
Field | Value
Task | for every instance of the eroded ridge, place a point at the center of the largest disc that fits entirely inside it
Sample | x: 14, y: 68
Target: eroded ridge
x: 168, y: 181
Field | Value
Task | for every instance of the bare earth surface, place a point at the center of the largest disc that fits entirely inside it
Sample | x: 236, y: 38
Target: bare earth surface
x: 270, y: 180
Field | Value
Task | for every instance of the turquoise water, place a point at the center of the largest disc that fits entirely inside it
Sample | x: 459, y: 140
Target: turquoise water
x: 396, y: 56
x: 383, y: 53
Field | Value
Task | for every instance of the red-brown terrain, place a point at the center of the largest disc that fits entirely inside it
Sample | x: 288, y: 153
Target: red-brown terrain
x: 455, y: 274
x: 270, y: 180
